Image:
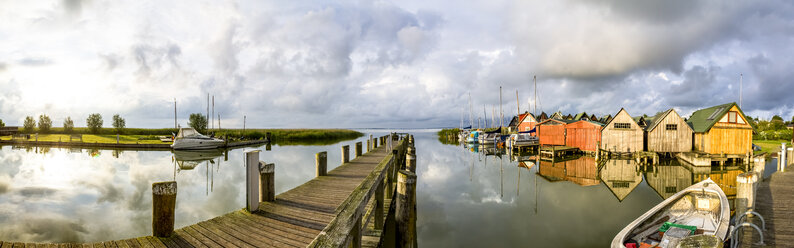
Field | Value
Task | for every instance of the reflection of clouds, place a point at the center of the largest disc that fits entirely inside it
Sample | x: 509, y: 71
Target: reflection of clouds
x: 107, y: 198
x: 30, y: 227
x: 487, y: 211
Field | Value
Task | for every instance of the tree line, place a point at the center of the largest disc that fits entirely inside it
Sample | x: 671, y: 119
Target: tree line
x: 94, y: 122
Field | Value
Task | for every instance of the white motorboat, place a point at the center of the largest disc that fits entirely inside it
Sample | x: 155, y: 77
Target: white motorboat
x: 699, y: 212
x: 190, y: 139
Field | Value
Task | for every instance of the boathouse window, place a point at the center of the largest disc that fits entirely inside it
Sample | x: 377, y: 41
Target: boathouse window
x: 671, y: 127
x: 623, y: 125
x: 732, y: 117
x: 620, y: 184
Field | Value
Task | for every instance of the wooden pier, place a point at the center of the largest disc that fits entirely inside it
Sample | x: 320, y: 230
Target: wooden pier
x: 555, y: 152
x: 775, y: 202
x: 350, y: 205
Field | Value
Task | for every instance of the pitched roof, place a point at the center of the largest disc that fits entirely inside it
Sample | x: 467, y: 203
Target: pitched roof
x: 702, y: 120
x: 557, y: 120
x: 580, y: 115
x: 640, y: 120
x: 513, y: 122
x: 654, y: 121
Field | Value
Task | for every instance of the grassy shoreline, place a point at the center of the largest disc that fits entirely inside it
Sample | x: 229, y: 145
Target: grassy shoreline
x: 150, y: 136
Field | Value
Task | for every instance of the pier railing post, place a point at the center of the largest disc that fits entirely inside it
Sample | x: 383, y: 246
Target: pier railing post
x: 379, y: 206
x: 356, y: 233
x: 745, y: 193
x: 163, y: 205
x: 345, y: 154
x: 358, y: 149
x: 321, y: 160
x: 410, y: 160
x: 370, y: 145
x: 782, y: 157
x: 405, y: 216
x: 252, y: 178
x: 374, y: 143
x: 267, y: 182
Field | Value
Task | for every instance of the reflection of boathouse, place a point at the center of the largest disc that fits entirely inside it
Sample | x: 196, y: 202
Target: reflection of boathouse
x: 668, y: 180
x: 621, y: 177
x: 582, y: 171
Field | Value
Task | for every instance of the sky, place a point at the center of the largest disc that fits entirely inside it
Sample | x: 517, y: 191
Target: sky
x: 355, y: 64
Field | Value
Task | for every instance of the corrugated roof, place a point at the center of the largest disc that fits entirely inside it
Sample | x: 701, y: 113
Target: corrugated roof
x: 702, y: 120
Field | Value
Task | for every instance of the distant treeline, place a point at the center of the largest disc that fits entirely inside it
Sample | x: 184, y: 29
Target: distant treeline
x: 249, y: 134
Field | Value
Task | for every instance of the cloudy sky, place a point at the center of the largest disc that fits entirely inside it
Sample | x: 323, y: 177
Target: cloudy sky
x: 388, y: 64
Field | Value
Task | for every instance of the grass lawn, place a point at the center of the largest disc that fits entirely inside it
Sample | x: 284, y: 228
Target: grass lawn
x: 770, y: 146
x: 93, y: 138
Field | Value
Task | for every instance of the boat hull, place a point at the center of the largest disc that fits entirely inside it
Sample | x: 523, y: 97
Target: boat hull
x: 722, y: 221
x: 197, y: 144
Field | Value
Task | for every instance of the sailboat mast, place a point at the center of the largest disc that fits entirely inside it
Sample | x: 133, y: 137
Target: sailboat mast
x: 518, y: 106
x: 741, y: 79
x: 501, y: 114
x: 485, y: 116
x: 535, y: 79
x: 471, y: 121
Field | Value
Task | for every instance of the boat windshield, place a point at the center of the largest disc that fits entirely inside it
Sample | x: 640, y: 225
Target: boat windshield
x: 187, y: 133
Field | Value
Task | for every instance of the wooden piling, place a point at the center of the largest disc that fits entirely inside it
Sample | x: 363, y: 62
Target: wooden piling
x: 369, y: 146
x: 745, y: 193
x: 252, y: 177
x: 410, y: 160
x: 358, y: 149
x: 163, y: 206
x: 345, y: 154
x: 374, y: 143
x: 267, y: 182
x: 405, y: 216
x: 321, y: 159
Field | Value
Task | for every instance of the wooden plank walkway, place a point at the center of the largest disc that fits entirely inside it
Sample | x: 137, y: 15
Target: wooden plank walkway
x: 775, y: 202
x: 293, y: 220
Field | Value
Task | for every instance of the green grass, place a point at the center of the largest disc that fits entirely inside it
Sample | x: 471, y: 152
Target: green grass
x: 770, y: 146
x: 149, y: 136
x: 92, y: 138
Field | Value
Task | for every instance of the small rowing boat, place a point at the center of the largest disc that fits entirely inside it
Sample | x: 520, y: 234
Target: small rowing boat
x: 698, y: 213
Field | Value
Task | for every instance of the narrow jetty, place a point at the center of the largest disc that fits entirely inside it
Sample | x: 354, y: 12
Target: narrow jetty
x: 775, y: 202
x: 119, y: 145
x: 350, y: 205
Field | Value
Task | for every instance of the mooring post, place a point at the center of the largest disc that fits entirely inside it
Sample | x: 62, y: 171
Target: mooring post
x: 252, y: 178
x: 782, y: 157
x: 267, y: 182
x: 267, y: 136
x: 745, y: 195
x: 163, y: 205
x: 358, y: 149
x: 345, y: 154
x: 321, y: 162
x: 404, y: 210
x: 410, y: 159
x: 370, y: 146
x: 374, y: 143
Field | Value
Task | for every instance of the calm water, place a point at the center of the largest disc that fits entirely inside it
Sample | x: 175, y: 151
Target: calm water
x: 469, y: 199
x: 465, y: 197
x: 69, y: 195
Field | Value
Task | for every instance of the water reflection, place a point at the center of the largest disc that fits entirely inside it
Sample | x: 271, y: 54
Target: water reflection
x: 464, y: 199
x: 73, y: 195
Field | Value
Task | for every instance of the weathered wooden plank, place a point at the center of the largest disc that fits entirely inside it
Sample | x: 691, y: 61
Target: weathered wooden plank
x: 133, y: 243
x: 268, y: 232
x: 219, y: 238
x: 277, y: 225
x: 205, y: 237
x: 155, y: 242
x: 249, y: 235
x: 183, y: 237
